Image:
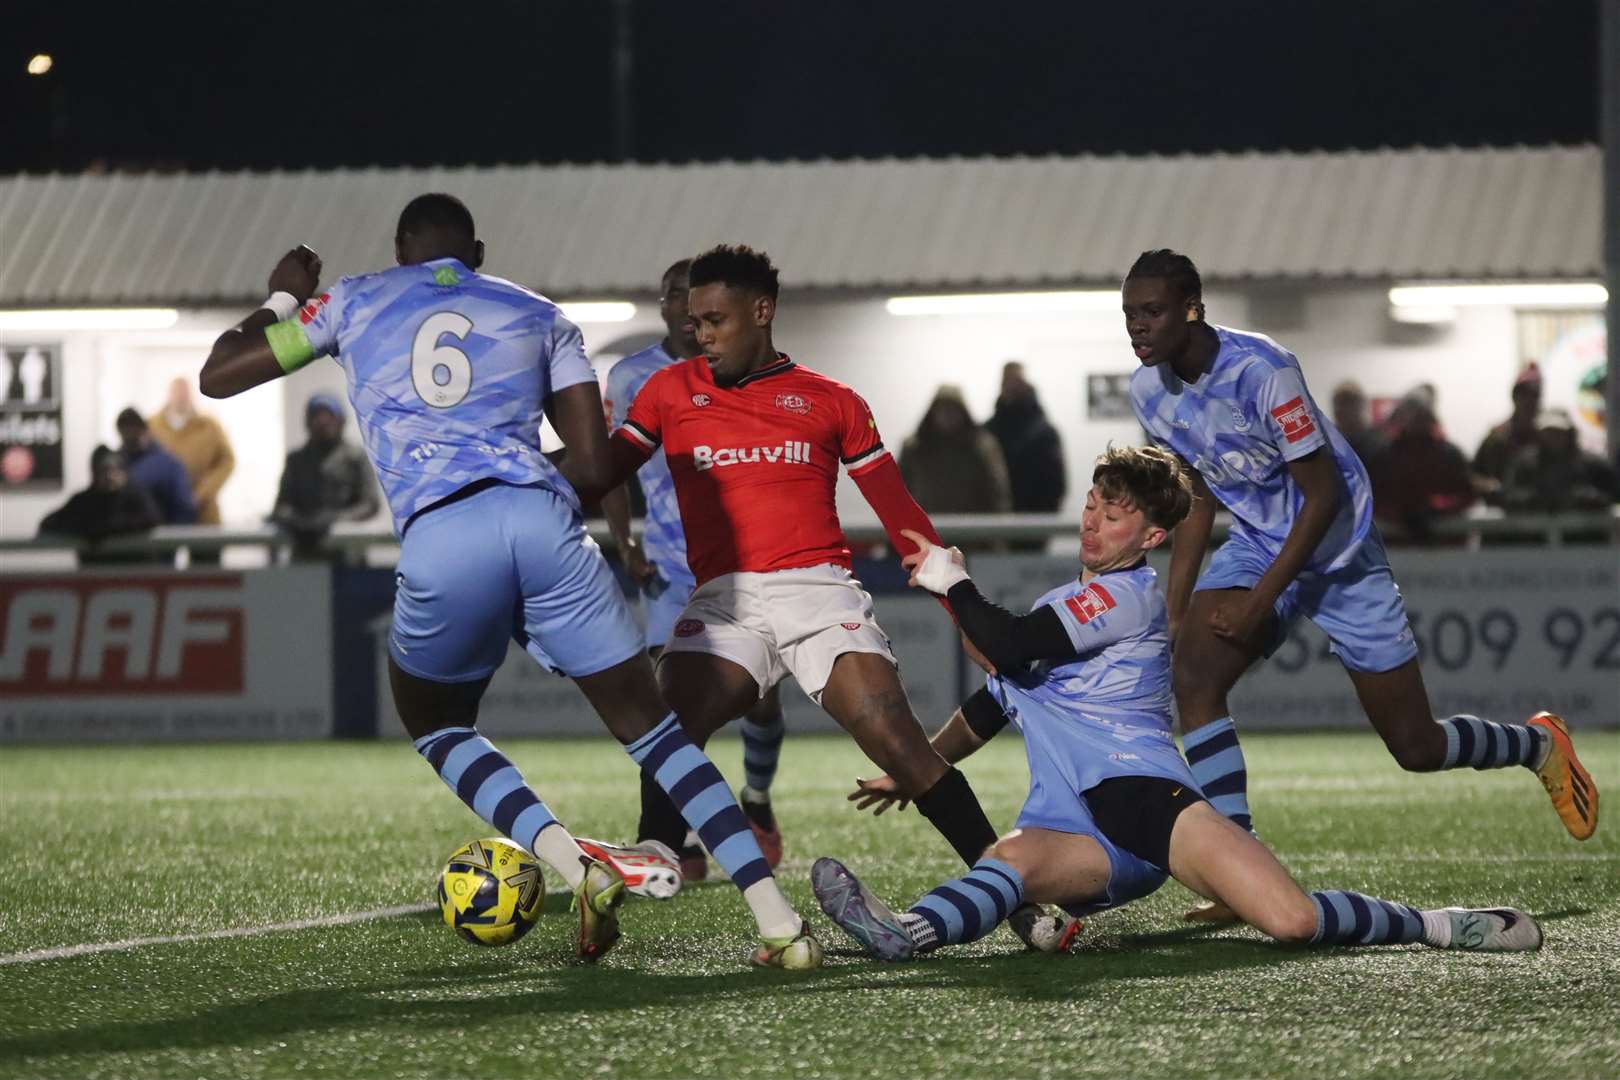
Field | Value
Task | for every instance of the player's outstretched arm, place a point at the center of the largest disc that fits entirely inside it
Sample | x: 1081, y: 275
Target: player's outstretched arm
x: 246, y: 355
x: 969, y: 728
x: 1009, y: 642
x: 1317, y: 475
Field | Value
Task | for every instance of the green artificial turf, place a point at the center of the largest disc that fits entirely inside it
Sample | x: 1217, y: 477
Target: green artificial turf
x: 105, y: 844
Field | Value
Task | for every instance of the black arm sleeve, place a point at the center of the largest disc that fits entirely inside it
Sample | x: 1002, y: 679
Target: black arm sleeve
x: 1008, y: 641
x: 983, y: 714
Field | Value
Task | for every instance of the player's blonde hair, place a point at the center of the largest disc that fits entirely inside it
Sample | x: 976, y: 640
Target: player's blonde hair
x: 1146, y: 478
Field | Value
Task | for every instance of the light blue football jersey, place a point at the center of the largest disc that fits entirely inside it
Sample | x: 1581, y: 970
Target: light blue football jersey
x: 1111, y: 703
x: 449, y: 371
x: 664, y: 539
x: 1239, y: 425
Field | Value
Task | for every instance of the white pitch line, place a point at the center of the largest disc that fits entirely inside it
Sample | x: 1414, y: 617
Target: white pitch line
x: 214, y: 935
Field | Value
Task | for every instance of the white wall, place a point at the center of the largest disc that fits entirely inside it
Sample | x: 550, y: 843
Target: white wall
x: 1338, y: 332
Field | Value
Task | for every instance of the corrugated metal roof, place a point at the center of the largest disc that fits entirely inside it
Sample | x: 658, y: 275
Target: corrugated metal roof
x: 577, y: 230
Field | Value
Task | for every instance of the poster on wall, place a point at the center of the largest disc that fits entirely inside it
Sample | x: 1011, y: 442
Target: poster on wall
x: 30, y: 418
x: 1575, y: 378
x: 1108, y: 397
x: 1571, y: 349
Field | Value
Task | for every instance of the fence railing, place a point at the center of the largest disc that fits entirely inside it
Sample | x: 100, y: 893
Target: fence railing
x: 367, y: 543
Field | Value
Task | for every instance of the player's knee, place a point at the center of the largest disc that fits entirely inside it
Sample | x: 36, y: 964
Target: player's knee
x: 1014, y: 850
x: 1294, y: 925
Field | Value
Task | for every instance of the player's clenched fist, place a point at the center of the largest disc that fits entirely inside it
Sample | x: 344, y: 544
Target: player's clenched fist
x: 298, y: 273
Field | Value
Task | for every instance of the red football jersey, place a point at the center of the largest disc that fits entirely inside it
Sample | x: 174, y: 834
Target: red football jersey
x: 755, y: 464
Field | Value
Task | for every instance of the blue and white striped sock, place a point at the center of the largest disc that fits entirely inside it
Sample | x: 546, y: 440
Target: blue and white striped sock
x: 1485, y: 744
x: 494, y: 789
x: 1349, y: 918
x: 762, y: 748
x: 1217, y: 764
x: 969, y: 907
x: 700, y: 793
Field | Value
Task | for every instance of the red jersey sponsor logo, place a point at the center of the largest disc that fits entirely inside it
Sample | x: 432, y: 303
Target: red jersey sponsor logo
x: 701, y: 400
x: 793, y: 403
x: 1091, y: 603
x: 122, y: 635
x: 790, y: 453
x: 308, y: 312
x: 1294, y: 419
x: 850, y: 625
x: 688, y: 627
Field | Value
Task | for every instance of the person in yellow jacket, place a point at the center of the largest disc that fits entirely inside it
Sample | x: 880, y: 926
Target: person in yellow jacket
x: 201, y: 445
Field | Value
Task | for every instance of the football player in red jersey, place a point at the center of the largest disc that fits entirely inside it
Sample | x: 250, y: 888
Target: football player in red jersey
x: 754, y: 442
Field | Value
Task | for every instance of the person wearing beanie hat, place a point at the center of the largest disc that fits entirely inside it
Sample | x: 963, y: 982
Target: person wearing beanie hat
x: 325, y: 481
x: 1507, y: 439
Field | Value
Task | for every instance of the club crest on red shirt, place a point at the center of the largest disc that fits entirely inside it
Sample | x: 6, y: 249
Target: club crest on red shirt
x: 688, y: 627
x: 1294, y: 419
x: 701, y: 400
x: 793, y: 403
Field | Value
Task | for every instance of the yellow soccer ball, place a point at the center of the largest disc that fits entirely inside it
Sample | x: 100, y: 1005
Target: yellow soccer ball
x: 491, y: 892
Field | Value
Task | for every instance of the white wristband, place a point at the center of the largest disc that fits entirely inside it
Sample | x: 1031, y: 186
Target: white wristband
x: 939, y: 571
x: 283, y: 305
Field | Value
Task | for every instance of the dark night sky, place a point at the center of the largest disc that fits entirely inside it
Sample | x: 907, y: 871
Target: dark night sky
x: 226, y: 85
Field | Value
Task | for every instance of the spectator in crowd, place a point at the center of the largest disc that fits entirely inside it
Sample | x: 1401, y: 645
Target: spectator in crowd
x: 325, y: 481
x: 1417, y: 475
x: 1553, y: 474
x: 951, y: 465
x: 155, y: 469
x: 1353, y: 419
x: 200, y: 443
x: 1030, y: 444
x: 1504, y: 441
x: 110, y: 506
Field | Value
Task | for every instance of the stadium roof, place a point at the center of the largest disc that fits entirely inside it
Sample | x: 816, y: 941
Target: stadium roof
x: 579, y: 230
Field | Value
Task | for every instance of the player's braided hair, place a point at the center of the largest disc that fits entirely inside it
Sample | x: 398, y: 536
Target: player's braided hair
x: 1173, y: 267
x: 736, y: 265
x: 1146, y: 478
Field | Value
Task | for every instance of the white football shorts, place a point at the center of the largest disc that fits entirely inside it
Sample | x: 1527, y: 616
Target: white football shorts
x: 783, y: 622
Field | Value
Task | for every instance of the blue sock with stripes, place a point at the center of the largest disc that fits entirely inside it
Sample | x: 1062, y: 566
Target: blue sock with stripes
x: 762, y: 748
x: 1484, y: 744
x: 1348, y: 918
x: 1217, y: 764
x: 969, y: 907
x: 700, y: 793
x: 491, y: 786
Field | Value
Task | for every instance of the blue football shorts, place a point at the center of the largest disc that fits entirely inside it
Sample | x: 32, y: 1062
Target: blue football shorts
x: 1358, y: 606
x: 506, y: 563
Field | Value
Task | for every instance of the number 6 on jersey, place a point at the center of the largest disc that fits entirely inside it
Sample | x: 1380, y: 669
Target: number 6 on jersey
x: 442, y: 374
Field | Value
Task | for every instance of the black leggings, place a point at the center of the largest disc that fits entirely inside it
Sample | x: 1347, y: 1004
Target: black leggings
x: 1137, y: 813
